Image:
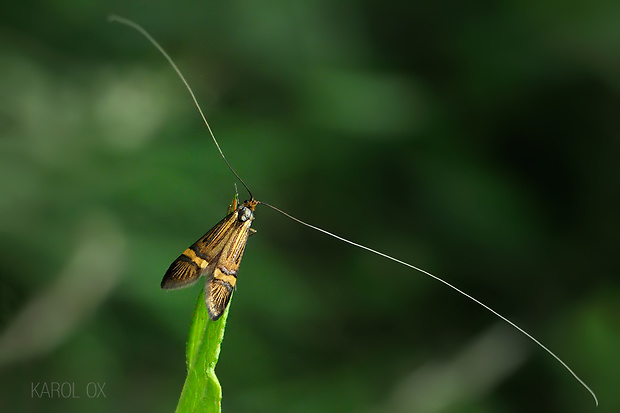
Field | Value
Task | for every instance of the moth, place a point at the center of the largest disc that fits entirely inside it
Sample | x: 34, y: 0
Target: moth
x: 216, y: 255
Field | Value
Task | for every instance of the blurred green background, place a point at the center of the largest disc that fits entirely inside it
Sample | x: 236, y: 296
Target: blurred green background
x: 477, y: 140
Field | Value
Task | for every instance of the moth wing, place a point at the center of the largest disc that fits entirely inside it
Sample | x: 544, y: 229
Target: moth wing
x: 195, y: 260
x: 221, y: 283
x: 217, y: 294
x: 182, y: 273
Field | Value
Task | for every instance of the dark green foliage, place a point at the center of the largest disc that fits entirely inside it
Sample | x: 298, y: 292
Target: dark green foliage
x: 477, y: 140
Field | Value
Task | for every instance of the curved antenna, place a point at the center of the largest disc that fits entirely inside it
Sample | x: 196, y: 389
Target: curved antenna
x: 137, y: 27
x: 528, y: 335
x: 140, y: 29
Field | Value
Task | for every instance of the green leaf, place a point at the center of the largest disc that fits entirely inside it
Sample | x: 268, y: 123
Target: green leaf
x: 202, y: 391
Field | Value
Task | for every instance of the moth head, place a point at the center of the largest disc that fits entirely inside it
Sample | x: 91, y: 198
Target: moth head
x: 251, y: 204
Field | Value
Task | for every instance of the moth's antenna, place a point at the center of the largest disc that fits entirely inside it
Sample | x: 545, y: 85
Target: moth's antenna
x: 528, y: 335
x: 176, y: 69
x: 139, y: 28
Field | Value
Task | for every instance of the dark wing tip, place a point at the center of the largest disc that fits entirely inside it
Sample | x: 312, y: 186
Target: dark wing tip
x: 217, y: 296
x: 182, y: 273
x: 167, y: 283
x: 214, y: 314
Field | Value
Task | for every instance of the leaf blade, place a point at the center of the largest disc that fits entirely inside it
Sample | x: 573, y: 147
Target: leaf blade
x: 202, y: 391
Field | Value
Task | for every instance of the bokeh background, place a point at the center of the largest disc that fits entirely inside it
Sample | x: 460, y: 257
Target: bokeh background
x: 477, y: 140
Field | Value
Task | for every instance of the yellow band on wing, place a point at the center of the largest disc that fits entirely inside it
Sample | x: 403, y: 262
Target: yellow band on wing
x: 202, y: 263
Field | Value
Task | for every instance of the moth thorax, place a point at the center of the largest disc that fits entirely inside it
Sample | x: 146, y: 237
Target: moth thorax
x: 245, y: 213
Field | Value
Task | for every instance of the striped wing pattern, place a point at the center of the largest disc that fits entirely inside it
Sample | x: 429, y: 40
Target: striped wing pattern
x: 216, y: 255
x: 193, y: 262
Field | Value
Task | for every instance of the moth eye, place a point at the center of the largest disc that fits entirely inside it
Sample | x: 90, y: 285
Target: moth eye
x: 244, y: 213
